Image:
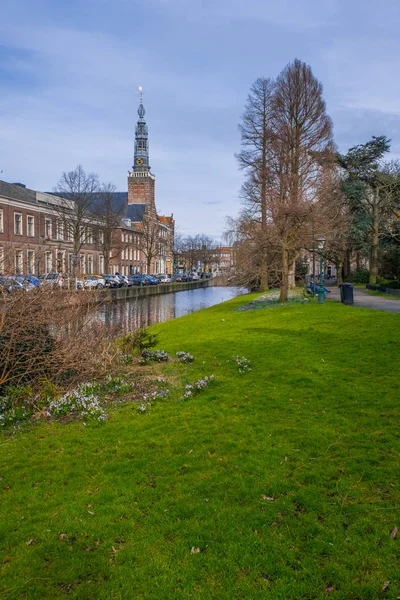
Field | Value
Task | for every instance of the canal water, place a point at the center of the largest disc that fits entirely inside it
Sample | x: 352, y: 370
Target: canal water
x: 139, y: 312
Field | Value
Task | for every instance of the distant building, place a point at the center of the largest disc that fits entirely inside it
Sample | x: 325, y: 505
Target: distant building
x: 225, y: 259
x: 33, y: 238
x: 158, y: 231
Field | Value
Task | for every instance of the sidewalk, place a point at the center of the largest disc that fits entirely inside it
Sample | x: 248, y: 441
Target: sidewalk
x: 361, y: 298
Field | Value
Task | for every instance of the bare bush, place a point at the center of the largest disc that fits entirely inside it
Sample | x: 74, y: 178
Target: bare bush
x: 52, y: 333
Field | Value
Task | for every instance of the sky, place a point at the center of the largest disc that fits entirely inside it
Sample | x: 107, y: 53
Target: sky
x: 70, y: 71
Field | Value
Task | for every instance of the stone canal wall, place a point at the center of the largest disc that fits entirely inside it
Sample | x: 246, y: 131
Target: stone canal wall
x: 150, y: 290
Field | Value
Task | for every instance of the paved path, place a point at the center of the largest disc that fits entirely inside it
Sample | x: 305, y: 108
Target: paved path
x: 361, y: 298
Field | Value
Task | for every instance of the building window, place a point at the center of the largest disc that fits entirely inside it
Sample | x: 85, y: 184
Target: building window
x: 101, y: 264
x: 115, y: 269
x: 48, y: 262
x: 60, y: 230
x: 89, y: 235
x: 90, y: 264
x: 82, y: 239
x: 47, y: 229
x: 18, y: 261
x: 1, y: 259
x: 30, y: 261
x: 70, y: 232
x: 123, y: 254
x: 1, y: 222
x: 30, y: 226
x: 101, y: 237
x: 17, y: 223
x: 70, y: 263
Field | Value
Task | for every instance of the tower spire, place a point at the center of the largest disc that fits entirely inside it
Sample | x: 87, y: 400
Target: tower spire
x: 141, y: 155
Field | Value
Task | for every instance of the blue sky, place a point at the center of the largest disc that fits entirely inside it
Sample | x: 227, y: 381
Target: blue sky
x: 69, y: 73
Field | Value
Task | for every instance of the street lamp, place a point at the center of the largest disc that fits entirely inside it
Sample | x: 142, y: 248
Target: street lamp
x: 321, y: 292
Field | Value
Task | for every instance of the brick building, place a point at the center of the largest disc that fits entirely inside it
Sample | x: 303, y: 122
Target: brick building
x: 33, y: 238
x: 158, y: 231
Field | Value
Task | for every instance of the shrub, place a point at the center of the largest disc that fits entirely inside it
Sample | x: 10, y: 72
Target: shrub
x: 138, y: 341
x: 394, y: 285
x: 359, y: 276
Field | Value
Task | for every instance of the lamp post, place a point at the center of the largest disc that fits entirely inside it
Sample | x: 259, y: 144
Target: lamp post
x: 321, y: 292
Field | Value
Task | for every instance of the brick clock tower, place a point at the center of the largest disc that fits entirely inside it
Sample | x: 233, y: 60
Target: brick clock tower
x: 141, y: 182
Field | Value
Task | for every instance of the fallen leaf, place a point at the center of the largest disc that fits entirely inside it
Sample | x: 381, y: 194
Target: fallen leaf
x: 29, y: 542
x: 195, y: 550
x: 190, y: 451
x: 62, y: 536
x: 90, y: 512
x: 329, y: 588
x: 113, y: 550
x: 264, y: 497
x: 206, y: 499
x: 394, y: 532
x: 385, y: 586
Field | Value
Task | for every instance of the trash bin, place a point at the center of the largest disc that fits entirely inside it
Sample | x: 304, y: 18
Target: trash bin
x: 346, y: 293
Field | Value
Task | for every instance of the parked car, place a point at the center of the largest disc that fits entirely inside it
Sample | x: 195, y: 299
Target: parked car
x: 165, y: 279
x: 8, y: 285
x: 124, y: 280
x: 111, y: 281
x: 28, y: 282
x: 195, y: 277
x: 52, y: 279
x: 29, y: 278
x: 136, y: 279
x: 94, y: 282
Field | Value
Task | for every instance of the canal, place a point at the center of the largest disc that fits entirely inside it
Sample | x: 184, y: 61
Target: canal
x: 139, y: 312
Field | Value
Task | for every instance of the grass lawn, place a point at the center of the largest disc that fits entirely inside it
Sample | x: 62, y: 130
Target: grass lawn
x: 281, y: 482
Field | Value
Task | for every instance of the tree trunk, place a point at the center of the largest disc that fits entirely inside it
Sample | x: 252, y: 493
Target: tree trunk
x: 264, y: 273
x: 285, y: 276
x: 373, y: 257
x: 346, y: 264
x: 292, y: 276
x: 339, y: 270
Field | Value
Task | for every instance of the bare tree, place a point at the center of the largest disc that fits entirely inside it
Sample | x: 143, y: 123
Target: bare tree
x: 206, y: 251
x: 78, y: 192
x: 303, y: 131
x: 149, y: 240
x: 109, y: 217
x: 256, y: 157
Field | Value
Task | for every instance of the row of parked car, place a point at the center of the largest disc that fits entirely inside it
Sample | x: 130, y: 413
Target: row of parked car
x: 29, y: 282
x: 117, y: 281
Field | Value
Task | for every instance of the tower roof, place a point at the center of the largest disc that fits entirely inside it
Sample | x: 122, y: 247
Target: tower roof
x: 141, y: 154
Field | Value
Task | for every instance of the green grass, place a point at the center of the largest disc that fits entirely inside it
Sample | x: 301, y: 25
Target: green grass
x: 381, y: 294
x: 286, y: 477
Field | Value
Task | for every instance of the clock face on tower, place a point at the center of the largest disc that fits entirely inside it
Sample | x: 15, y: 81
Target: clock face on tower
x: 139, y: 161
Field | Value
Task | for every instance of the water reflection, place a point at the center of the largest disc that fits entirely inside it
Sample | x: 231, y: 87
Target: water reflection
x: 139, y: 312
